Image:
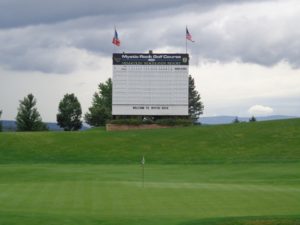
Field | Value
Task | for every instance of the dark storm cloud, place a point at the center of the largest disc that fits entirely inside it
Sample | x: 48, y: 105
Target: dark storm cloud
x: 16, y: 13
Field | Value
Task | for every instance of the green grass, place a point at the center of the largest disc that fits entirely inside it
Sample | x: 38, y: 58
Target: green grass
x: 241, y: 174
x: 173, y: 194
x: 264, y: 141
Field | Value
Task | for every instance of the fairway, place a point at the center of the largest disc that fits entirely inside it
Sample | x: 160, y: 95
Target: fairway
x: 239, y: 174
x: 177, y: 194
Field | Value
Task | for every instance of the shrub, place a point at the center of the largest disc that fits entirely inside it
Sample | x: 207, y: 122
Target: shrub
x: 127, y: 121
x: 164, y: 122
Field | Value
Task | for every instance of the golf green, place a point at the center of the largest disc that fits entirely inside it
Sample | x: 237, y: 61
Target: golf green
x: 32, y: 194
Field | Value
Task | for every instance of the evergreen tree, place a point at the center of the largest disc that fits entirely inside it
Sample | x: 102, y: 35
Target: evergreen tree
x: 252, y: 119
x: 28, y: 118
x: 0, y: 121
x: 69, y: 113
x: 195, y: 105
x: 101, y: 108
x: 236, y: 120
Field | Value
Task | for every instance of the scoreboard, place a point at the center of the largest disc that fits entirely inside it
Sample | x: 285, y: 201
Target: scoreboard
x: 150, y: 84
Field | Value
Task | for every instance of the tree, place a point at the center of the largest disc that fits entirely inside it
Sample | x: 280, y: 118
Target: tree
x: 195, y: 105
x: 236, y: 120
x: 252, y: 119
x: 0, y: 121
x: 101, y: 108
x: 69, y: 113
x: 28, y: 118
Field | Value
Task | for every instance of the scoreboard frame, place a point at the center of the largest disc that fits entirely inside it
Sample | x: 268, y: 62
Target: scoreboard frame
x: 168, y: 75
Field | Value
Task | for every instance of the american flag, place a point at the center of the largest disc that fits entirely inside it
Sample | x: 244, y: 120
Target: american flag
x: 188, y: 35
x: 116, y: 40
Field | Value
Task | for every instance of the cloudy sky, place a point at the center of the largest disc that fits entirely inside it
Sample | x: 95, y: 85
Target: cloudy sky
x: 245, y: 59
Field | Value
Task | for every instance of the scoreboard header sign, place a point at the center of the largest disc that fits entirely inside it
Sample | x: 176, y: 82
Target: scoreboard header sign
x: 150, y: 59
x: 150, y: 84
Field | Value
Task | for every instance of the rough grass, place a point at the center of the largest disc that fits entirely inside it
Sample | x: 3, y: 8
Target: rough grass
x: 276, y: 141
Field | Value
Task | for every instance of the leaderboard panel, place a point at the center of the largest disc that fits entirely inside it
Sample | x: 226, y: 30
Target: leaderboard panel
x: 150, y: 84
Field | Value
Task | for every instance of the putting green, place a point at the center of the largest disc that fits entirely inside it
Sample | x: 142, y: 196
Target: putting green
x: 173, y: 194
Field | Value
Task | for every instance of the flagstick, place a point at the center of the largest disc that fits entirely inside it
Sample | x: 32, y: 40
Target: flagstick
x: 143, y: 175
x: 143, y: 171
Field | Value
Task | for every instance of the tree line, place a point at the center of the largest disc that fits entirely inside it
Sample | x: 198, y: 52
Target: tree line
x: 70, y: 112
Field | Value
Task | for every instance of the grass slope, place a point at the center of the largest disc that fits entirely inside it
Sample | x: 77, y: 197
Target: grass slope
x: 241, y: 174
x: 252, y: 142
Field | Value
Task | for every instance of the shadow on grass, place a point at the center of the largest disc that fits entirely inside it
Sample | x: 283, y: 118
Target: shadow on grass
x: 271, y: 220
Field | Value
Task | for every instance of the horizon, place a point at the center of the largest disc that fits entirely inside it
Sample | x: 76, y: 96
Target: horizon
x: 201, y: 117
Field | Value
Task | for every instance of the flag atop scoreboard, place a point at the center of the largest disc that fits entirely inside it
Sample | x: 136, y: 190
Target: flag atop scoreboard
x: 150, y: 84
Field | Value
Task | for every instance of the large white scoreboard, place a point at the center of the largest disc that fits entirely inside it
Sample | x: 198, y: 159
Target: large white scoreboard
x: 150, y: 84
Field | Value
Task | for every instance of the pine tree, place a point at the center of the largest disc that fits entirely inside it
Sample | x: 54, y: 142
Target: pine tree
x: 195, y: 105
x: 0, y: 121
x: 69, y: 113
x: 28, y: 118
x: 252, y: 119
x: 236, y: 120
x: 101, y: 108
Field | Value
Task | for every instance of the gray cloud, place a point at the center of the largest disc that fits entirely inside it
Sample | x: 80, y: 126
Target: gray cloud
x: 58, y: 38
x: 15, y: 13
x: 263, y: 37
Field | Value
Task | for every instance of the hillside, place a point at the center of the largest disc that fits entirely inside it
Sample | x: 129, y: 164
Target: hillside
x: 245, y: 142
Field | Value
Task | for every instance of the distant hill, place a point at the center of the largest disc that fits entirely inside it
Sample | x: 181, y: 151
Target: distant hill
x: 10, y: 125
x: 229, y: 119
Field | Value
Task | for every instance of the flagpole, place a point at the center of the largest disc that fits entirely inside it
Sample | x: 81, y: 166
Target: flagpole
x: 114, y: 44
x: 186, y: 41
x: 185, y: 45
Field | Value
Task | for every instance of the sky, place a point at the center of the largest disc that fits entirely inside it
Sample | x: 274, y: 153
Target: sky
x: 245, y: 59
